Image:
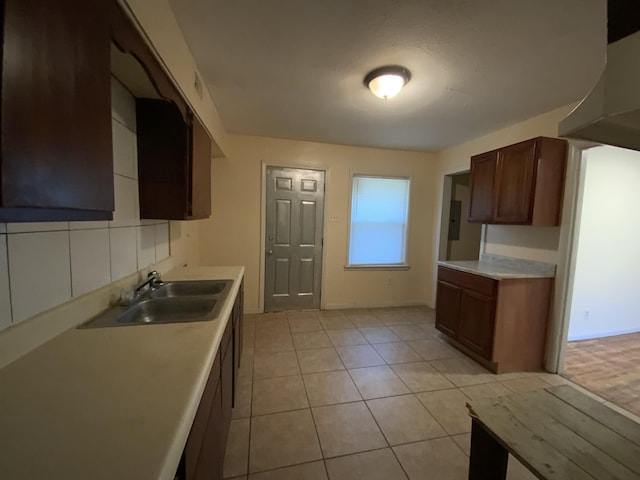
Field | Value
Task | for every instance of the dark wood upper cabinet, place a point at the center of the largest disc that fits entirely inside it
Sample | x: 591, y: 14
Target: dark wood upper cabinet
x: 483, y: 171
x: 174, y: 163
x: 56, y: 157
x: 520, y: 184
x: 174, y: 148
x: 514, y: 183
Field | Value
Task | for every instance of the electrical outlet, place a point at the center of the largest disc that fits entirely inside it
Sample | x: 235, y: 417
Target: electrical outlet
x: 389, y: 281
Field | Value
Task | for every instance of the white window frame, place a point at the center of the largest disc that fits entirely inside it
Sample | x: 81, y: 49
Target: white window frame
x: 386, y: 266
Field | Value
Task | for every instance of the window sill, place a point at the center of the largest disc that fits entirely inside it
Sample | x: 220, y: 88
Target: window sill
x: 377, y: 267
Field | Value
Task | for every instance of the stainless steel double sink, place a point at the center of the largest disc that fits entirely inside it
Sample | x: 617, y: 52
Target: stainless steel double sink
x: 171, y: 302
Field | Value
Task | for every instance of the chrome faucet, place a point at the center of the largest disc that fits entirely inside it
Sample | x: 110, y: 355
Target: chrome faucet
x: 152, y: 282
x: 130, y: 297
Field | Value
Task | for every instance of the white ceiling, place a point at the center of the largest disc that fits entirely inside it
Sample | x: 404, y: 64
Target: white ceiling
x: 294, y: 68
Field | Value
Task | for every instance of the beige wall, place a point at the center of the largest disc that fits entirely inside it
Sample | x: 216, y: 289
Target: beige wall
x: 232, y: 236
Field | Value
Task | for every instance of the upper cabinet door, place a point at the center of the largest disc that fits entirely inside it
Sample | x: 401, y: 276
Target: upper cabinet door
x: 56, y: 111
x: 174, y: 163
x: 514, y: 183
x: 200, y: 187
x: 483, y: 171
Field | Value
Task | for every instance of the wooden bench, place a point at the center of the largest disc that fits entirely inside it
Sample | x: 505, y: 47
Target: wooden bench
x: 557, y: 433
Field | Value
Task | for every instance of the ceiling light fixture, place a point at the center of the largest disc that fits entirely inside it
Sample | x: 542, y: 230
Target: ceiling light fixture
x: 386, y: 82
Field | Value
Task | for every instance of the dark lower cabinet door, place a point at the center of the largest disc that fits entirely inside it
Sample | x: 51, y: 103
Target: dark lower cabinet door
x: 448, y: 308
x: 211, y: 458
x: 227, y: 392
x: 477, y: 321
x: 201, y: 423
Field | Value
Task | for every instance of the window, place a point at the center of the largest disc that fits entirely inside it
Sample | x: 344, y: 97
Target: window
x: 379, y: 216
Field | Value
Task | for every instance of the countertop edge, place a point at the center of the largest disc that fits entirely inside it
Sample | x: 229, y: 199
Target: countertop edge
x: 172, y: 459
x: 492, y: 275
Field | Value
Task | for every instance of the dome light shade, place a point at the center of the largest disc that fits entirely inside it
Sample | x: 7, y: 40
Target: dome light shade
x: 386, y: 82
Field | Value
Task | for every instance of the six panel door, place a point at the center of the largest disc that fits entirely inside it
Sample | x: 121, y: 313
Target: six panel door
x: 293, y: 257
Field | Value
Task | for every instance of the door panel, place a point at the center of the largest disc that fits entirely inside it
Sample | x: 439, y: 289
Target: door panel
x: 283, y: 222
x: 514, y: 183
x: 477, y: 320
x: 483, y: 169
x: 448, y: 308
x: 281, y: 278
x: 308, y: 226
x: 295, y: 212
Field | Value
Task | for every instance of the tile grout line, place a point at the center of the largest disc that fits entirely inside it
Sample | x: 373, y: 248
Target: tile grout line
x: 306, y: 392
x: 378, y: 425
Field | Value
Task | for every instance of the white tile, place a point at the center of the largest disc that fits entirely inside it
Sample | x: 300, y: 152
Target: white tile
x: 123, y: 252
x: 88, y: 225
x: 28, y: 227
x: 162, y: 241
x: 40, y: 272
x: 146, y: 244
x: 126, y: 213
x: 123, y: 105
x: 5, y: 303
x: 90, y: 260
x: 3, y: 228
x: 124, y: 146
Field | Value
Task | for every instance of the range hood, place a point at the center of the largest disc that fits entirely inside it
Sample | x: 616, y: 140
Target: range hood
x: 610, y: 114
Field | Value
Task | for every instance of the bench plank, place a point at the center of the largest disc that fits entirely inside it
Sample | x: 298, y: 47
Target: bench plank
x: 594, y: 432
x: 599, y: 412
x: 565, y: 440
x: 533, y: 451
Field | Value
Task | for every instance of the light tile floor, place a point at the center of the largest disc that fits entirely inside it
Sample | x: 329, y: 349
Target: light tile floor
x: 358, y: 394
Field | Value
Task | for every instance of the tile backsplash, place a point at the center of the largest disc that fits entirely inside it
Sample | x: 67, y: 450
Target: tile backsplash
x: 45, y: 264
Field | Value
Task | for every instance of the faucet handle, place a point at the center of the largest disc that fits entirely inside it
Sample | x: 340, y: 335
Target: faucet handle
x: 153, y: 273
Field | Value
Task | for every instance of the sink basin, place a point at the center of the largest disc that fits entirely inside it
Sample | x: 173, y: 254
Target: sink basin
x: 172, y: 302
x: 170, y: 310
x: 192, y: 288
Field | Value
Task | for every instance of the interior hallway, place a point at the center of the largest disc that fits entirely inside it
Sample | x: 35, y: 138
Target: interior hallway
x: 609, y: 367
x: 358, y: 394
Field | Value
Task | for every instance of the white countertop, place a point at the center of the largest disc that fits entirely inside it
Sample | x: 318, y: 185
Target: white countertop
x: 499, y: 267
x: 109, y: 403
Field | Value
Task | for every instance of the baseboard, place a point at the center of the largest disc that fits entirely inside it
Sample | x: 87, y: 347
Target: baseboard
x: 591, y: 336
x: 347, y: 306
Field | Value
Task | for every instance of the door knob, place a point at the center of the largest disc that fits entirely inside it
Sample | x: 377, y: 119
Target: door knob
x: 269, y: 252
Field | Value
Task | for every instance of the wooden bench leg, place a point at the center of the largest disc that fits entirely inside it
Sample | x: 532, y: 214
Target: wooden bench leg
x: 488, y: 458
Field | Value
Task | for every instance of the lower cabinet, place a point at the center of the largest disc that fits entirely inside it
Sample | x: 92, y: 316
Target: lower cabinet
x: 238, y: 329
x: 203, y: 456
x: 501, y: 323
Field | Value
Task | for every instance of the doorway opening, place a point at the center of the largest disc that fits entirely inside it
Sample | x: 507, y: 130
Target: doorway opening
x: 294, y: 222
x: 602, y: 353
x: 459, y: 239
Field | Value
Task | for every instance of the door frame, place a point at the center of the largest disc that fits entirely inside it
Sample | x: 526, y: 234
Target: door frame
x: 263, y: 224
x: 445, y: 205
x: 560, y: 315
